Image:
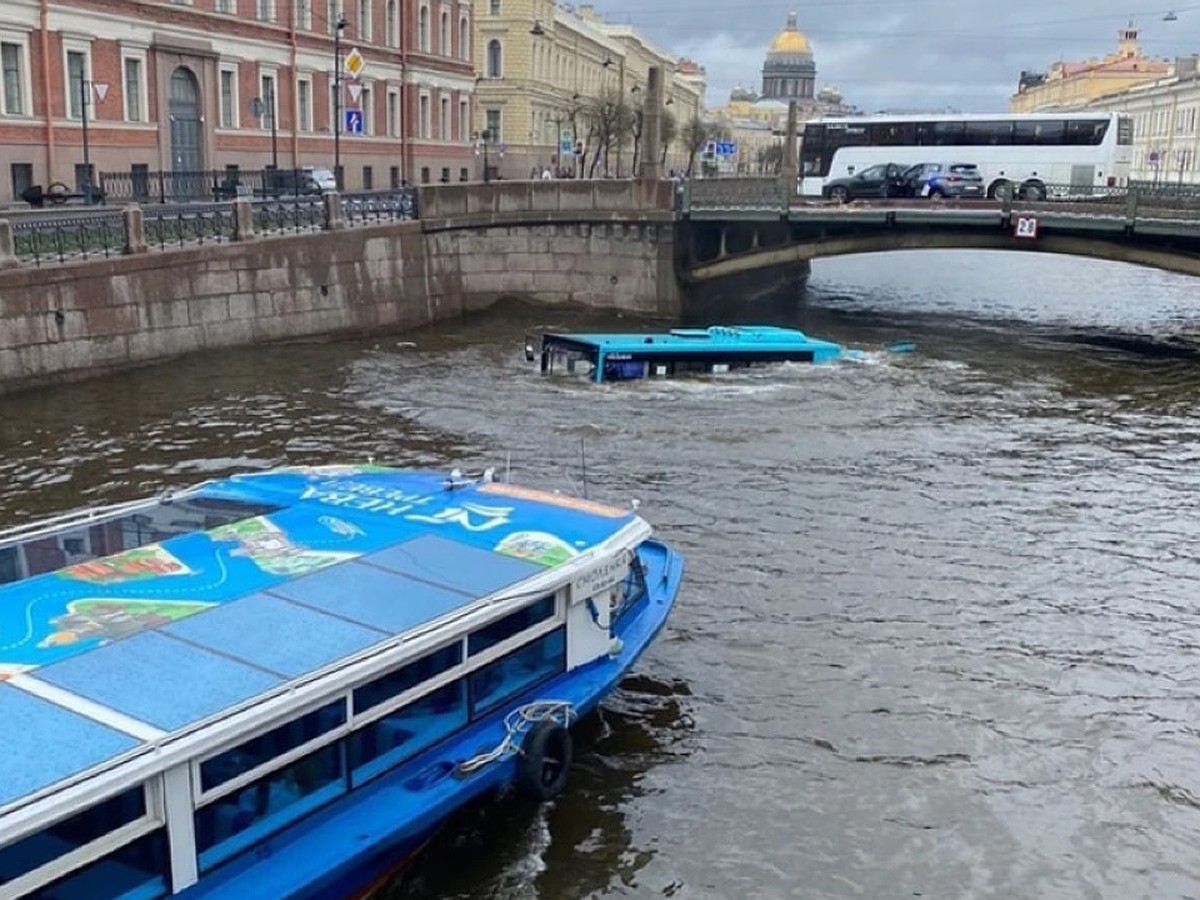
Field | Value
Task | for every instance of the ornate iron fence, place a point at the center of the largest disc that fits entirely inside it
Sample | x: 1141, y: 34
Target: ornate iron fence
x: 390, y: 206
x: 290, y: 215
x: 180, y: 226
x: 83, y: 236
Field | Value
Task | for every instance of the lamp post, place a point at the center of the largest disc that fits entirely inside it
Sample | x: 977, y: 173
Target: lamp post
x: 338, y: 28
x: 85, y: 88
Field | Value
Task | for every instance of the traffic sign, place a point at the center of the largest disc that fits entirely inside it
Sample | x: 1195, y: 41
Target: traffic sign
x: 101, y: 89
x: 354, y: 121
x: 354, y: 62
x: 726, y: 148
x: 1026, y: 227
x: 566, y: 147
x: 355, y: 91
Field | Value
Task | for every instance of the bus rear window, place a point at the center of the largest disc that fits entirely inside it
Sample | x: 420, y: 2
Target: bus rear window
x: 1125, y: 131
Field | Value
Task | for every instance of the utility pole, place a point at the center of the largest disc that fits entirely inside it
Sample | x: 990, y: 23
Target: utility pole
x: 339, y: 27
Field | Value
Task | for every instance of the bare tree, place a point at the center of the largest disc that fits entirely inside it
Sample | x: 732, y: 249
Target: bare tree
x: 770, y: 159
x: 609, y: 121
x: 668, y: 131
x: 695, y: 134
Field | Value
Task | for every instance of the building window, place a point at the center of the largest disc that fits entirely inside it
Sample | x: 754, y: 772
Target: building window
x: 424, y: 116
x: 494, y: 7
x: 444, y: 47
x: 393, y: 36
x: 333, y: 13
x: 463, y: 176
x: 444, y: 120
x: 133, y: 89
x: 265, y: 10
x: 368, y: 178
x: 229, y: 98
x: 368, y: 112
x: 393, y: 114
x: 77, y: 75
x: 423, y: 29
x: 364, y: 21
x: 493, y: 59
x: 493, y: 125
x: 304, y: 112
x: 22, y: 179
x: 464, y: 38
x: 12, y: 70
x: 464, y: 120
x: 303, y: 14
x: 225, y: 6
x: 268, y: 119
x: 424, y: 174
x: 395, y: 176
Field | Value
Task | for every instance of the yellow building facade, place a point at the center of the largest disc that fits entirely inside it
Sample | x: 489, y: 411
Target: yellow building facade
x: 1066, y: 85
x: 542, y: 66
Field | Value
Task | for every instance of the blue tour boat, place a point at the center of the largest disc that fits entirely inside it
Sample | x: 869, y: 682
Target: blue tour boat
x: 277, y: 684
x: 716, y: 349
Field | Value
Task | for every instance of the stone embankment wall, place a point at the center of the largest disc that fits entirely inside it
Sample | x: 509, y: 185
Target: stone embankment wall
x: 604, y: 245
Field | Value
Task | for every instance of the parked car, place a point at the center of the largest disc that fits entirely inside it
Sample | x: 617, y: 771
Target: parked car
x: 936, y: 179
x: 284, y: 182
x: 883, y: 180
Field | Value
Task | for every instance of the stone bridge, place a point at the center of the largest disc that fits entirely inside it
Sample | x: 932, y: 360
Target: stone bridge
x: 736, y: 227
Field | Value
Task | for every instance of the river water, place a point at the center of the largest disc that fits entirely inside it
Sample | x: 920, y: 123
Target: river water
x: 939, y: 635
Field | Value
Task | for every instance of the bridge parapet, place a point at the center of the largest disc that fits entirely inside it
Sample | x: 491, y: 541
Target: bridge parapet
x: 754, y: 196
x: 548, y: 195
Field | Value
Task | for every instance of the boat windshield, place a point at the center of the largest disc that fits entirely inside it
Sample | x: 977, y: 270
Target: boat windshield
x: 36, y: 551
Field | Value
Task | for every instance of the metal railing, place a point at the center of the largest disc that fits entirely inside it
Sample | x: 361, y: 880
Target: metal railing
x: 183, y: 226
x: 44, y: 238
x: 209, y: 185
x: 64, y: 238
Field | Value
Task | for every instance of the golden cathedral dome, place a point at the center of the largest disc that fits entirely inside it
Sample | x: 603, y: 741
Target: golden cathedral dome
x: 791, y: 39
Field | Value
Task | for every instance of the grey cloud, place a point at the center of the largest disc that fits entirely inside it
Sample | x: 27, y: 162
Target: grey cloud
x: 914, y: 54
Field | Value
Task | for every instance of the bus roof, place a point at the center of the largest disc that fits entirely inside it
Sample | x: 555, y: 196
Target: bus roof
x: 963, y: 117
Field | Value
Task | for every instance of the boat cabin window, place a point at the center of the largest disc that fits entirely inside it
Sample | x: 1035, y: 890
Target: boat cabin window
x: 512, y: 624
x: 406, y: 677
x: 403, y: 733
x: 138, y: 868
x: 79, y: 545
x: 632, y: 590
x: 520, y: 670
x: 259, y: 750
x: 243, y: 818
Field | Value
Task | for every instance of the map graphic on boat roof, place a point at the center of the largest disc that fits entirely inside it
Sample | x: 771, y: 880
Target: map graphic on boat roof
x: 174, y: 632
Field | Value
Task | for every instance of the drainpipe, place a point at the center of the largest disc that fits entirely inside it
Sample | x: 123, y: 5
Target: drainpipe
x: 292, y: 51
x: 45, y: 42
x: 405, y: 145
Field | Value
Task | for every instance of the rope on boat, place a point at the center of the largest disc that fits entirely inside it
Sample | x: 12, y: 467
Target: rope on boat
x: 516, y: 723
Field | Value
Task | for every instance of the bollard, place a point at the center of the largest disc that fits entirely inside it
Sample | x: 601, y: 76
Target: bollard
x: 333, y: 211
x: 243, y: 220
x: 1131, y: 206
x: 135, y: 232
x: 8, y: 255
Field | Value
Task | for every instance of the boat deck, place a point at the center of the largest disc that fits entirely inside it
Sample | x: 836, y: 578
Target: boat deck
x: 108, y: 657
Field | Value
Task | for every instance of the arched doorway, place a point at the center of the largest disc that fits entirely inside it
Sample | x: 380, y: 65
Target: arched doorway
x: 184, y: 110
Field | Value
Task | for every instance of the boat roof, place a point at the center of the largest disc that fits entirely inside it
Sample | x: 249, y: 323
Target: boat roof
x: 765, y: 338
x: 102, y: 658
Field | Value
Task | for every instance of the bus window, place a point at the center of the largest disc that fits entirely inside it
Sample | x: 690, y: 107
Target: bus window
x: 948, y: 134
x: 1125, y: 131
x: 893, y: 134
x: 1041, y: 133
x: 1090, y: 132
x: 989, y: 134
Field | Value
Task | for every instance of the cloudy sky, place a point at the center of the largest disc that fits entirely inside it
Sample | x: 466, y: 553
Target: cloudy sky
x: 907, y: 54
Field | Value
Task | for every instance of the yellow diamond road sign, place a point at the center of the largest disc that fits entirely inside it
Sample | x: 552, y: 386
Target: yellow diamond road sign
x: 355, y: 62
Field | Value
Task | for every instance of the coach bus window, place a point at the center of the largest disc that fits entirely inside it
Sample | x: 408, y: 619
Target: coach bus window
x: 989, y: 134
x: 1047, y: 132
x: 949, y: 134
x: 1089, y: 133
x: 893, y: 134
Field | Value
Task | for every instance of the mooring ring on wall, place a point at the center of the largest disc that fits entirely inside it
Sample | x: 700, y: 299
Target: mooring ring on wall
x: 613, y: 279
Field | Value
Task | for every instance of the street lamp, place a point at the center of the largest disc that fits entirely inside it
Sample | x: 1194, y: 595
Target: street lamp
x: 85, y: 88
x: 339, y: 27
x: 260, y: 109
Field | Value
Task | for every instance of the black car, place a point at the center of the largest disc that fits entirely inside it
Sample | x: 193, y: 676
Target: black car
x: 883, y: 180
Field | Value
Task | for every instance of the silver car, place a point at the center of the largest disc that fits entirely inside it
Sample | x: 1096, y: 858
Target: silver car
x: 957, y: 180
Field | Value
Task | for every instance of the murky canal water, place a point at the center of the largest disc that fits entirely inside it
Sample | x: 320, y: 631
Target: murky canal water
x: 940, y: 634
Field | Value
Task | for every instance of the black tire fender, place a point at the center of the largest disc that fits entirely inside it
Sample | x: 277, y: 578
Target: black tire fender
x: 545, y: 761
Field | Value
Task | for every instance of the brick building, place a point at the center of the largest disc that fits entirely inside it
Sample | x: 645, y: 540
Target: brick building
x: 171, y: 86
